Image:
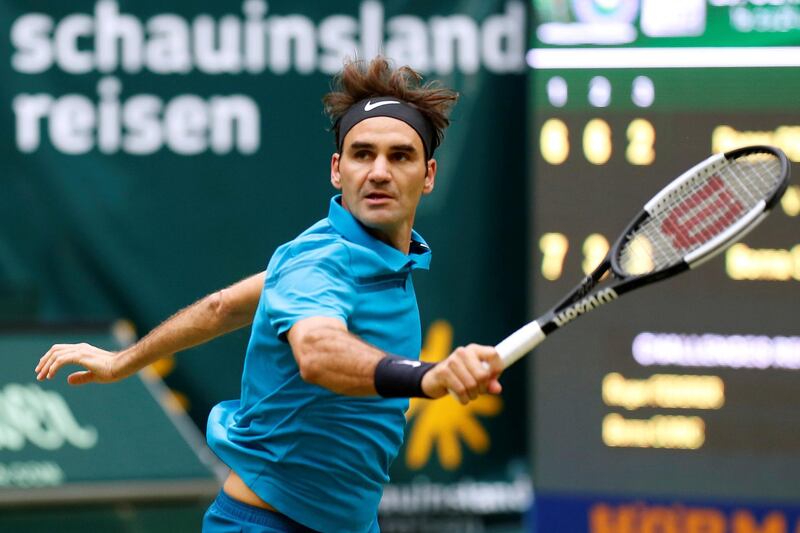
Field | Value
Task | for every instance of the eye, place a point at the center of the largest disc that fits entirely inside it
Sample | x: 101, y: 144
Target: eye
x: 400, y: 156
x: 361, y: 154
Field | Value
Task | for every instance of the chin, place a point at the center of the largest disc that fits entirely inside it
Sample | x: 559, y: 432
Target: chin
x: 378, y: 219
x: 377, y: 222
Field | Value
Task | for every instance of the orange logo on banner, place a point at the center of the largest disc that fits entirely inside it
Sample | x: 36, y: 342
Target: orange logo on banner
x: 643, y: 518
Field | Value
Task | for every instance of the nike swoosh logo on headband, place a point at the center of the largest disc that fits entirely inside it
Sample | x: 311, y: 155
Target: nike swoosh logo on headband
x: 369, y: 106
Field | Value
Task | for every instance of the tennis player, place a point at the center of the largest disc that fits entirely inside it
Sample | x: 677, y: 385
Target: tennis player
x: 334, y: 351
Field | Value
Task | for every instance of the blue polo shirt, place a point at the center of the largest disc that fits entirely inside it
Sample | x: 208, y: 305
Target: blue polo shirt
x: 316, y: 456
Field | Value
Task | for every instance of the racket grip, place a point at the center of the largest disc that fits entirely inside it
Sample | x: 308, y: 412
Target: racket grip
x: 522, y: 341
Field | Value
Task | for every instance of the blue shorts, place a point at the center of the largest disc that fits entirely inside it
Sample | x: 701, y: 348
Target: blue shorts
x: 227, y: 515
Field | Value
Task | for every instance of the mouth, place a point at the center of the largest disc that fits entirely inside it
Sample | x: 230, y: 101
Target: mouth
x: 378, y: 197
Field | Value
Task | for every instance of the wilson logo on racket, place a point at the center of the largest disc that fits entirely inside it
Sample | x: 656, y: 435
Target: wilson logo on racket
x: 587, y: 304
x: 703, y: 215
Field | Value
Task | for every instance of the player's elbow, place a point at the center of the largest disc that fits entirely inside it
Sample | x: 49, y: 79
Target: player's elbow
x: 216, y: 307
x: 314, y: 342
x: 310, y: 371
x: 307, y: 350
x: 224, y: 310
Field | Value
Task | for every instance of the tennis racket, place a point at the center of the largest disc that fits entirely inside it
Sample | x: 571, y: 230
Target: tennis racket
x: 698, y: 215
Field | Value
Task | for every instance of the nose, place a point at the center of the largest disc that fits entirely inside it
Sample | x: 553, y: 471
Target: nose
x: 380, y: 169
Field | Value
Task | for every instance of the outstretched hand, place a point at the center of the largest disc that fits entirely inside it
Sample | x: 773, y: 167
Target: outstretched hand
x: 99, y: 365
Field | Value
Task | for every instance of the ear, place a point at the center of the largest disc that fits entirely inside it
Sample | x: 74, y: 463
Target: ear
x: 430, y: 177
x: 336, y: 177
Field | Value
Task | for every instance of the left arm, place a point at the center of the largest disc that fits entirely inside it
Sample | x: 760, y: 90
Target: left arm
x: 218, y: 313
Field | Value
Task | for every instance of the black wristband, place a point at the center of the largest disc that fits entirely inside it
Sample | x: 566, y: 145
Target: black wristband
x: 399, y: 377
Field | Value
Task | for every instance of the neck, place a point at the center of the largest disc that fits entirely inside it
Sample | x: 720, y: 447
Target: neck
x: 399, y: 239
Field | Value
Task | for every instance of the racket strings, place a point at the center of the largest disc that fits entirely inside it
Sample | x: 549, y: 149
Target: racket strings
x: 699, y: 211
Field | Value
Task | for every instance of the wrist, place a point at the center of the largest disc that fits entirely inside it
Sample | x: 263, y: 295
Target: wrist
x: 123, y: 363
x: 429, y: 389
x: 399, y: 377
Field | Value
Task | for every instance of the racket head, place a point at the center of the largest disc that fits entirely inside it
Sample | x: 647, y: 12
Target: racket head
x: 701, y: 213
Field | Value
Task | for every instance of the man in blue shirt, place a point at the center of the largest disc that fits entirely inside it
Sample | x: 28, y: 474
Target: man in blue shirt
x: 334, y: 351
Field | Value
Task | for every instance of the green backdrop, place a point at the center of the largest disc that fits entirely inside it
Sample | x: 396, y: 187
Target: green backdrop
x: 155, y: 151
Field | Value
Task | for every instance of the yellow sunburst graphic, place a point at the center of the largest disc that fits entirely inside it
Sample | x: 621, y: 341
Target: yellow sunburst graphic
x: 445, y: 422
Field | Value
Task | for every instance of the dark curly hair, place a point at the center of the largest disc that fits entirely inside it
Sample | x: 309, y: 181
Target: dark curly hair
x: 359, y: 80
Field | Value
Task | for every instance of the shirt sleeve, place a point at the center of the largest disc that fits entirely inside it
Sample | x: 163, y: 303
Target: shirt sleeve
x: 308, y: 287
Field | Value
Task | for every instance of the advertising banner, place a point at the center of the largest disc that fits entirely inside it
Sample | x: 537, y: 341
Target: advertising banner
x: 156, y: 151
x: 62, y: 444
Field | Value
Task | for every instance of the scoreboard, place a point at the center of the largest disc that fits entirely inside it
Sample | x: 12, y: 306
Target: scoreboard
x: 686, y: 393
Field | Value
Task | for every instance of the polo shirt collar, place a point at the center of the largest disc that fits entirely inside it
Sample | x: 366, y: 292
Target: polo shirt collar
x: 345, y: 223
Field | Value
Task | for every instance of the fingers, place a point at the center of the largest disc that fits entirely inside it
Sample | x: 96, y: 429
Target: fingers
x: 45, y: 370
x: 470, y: 371
x: 55, y: 362
x: 494, y: 387
x: 62, y: 354
x: 490, y: 357
x: 463, y: 384
x: 480, y: 371
x: 80, y: 378
x: 47, y: 356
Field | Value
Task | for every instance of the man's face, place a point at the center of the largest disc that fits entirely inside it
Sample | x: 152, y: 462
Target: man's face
x: 382, y: 174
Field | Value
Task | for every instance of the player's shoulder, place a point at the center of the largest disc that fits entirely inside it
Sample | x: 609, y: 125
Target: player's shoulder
x: 320, y: 241
x: 318, y: 245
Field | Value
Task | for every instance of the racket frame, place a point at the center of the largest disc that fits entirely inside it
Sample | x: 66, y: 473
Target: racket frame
x: 581, y: 299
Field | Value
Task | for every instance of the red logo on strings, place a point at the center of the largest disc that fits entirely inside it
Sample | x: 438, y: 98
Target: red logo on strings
x: 702, y: 216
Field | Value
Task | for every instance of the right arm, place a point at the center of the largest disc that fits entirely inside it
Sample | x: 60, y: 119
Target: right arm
x: 331, y: 357
x: 218, y: 313
x: 310, y: 303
